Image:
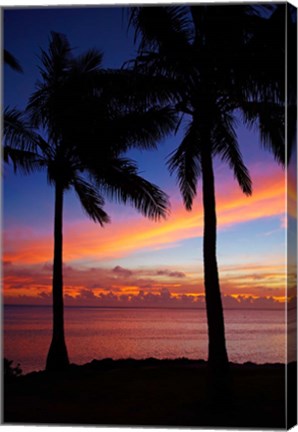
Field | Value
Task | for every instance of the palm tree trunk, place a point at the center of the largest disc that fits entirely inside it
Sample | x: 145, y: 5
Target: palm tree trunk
x: 217, y: 355
x: 57, y: 357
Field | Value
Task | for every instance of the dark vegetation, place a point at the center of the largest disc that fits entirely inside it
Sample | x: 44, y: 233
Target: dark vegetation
x: 10, y: 372
x: 148, y: 392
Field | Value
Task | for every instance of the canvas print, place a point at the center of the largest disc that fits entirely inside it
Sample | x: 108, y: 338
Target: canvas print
x: 149, y: 215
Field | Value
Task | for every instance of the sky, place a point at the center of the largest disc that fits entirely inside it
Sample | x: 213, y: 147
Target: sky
x: 134, y: 261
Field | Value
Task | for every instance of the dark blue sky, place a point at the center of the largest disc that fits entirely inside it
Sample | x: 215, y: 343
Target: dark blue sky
x: 27, y: 30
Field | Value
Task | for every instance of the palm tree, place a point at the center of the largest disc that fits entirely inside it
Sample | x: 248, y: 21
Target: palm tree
x: 215, y: 55
x: 87, y: 129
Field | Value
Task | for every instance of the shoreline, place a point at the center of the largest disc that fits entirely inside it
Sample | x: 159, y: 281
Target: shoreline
x: 109, y: 362
x: 154, y: 361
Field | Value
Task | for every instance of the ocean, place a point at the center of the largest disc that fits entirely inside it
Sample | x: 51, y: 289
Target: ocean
x: 94, y: 333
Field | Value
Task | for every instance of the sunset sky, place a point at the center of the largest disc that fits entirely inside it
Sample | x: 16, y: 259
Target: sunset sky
x: 134, y: 261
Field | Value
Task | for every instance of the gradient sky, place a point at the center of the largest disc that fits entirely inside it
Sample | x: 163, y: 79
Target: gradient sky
x: 134, y: 261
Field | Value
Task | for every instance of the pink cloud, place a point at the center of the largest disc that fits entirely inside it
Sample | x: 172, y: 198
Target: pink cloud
x: 122, y: 271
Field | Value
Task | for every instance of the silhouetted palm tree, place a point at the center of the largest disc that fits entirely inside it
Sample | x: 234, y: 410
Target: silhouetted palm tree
x: 216, y: 56
x: 87, y: 129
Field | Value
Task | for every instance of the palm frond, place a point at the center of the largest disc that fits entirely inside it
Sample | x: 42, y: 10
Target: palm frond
x: 291, y: 131
x: 122, y: 183
x: 162, y: 26
x: 269, y: 117
x: 88, y: 62
x: 56, y: 60
x: 11, y: 61
x: 91, y: 200
x: 175, y: 62
x: 272, y: 133
x: 37, y: 109
x: 47, y: 102
x: 135, y: 89
x: 23, y: 161
x: 19, y: 135
x: 185, y: 161
x: 18, y: 132
x: 263, y: 73
x: 103, y: 135
x: 226, y: 145
x: 141, y: 129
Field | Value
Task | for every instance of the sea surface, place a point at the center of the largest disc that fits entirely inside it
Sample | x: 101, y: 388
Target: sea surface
x: 95, y: 333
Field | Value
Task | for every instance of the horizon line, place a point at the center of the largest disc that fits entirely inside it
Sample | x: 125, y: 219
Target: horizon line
x: 137, y: 307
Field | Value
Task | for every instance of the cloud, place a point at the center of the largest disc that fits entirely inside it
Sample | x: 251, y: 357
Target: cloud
x: 254, y: 280
x: 161, y: 299
x: 122, y: 271
x: 84, y: 240
x: 175, y: 274
x: 246, y: 286
x: 34, y: 279
x: 48, y: 267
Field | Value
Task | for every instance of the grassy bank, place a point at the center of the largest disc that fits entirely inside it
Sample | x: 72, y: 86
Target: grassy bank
x: 148, y: 392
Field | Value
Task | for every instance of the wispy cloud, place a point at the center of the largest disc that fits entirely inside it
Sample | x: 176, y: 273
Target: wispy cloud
x: 87, y: 241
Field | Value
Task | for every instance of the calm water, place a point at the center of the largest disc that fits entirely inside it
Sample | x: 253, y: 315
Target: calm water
x: 257, y: 336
